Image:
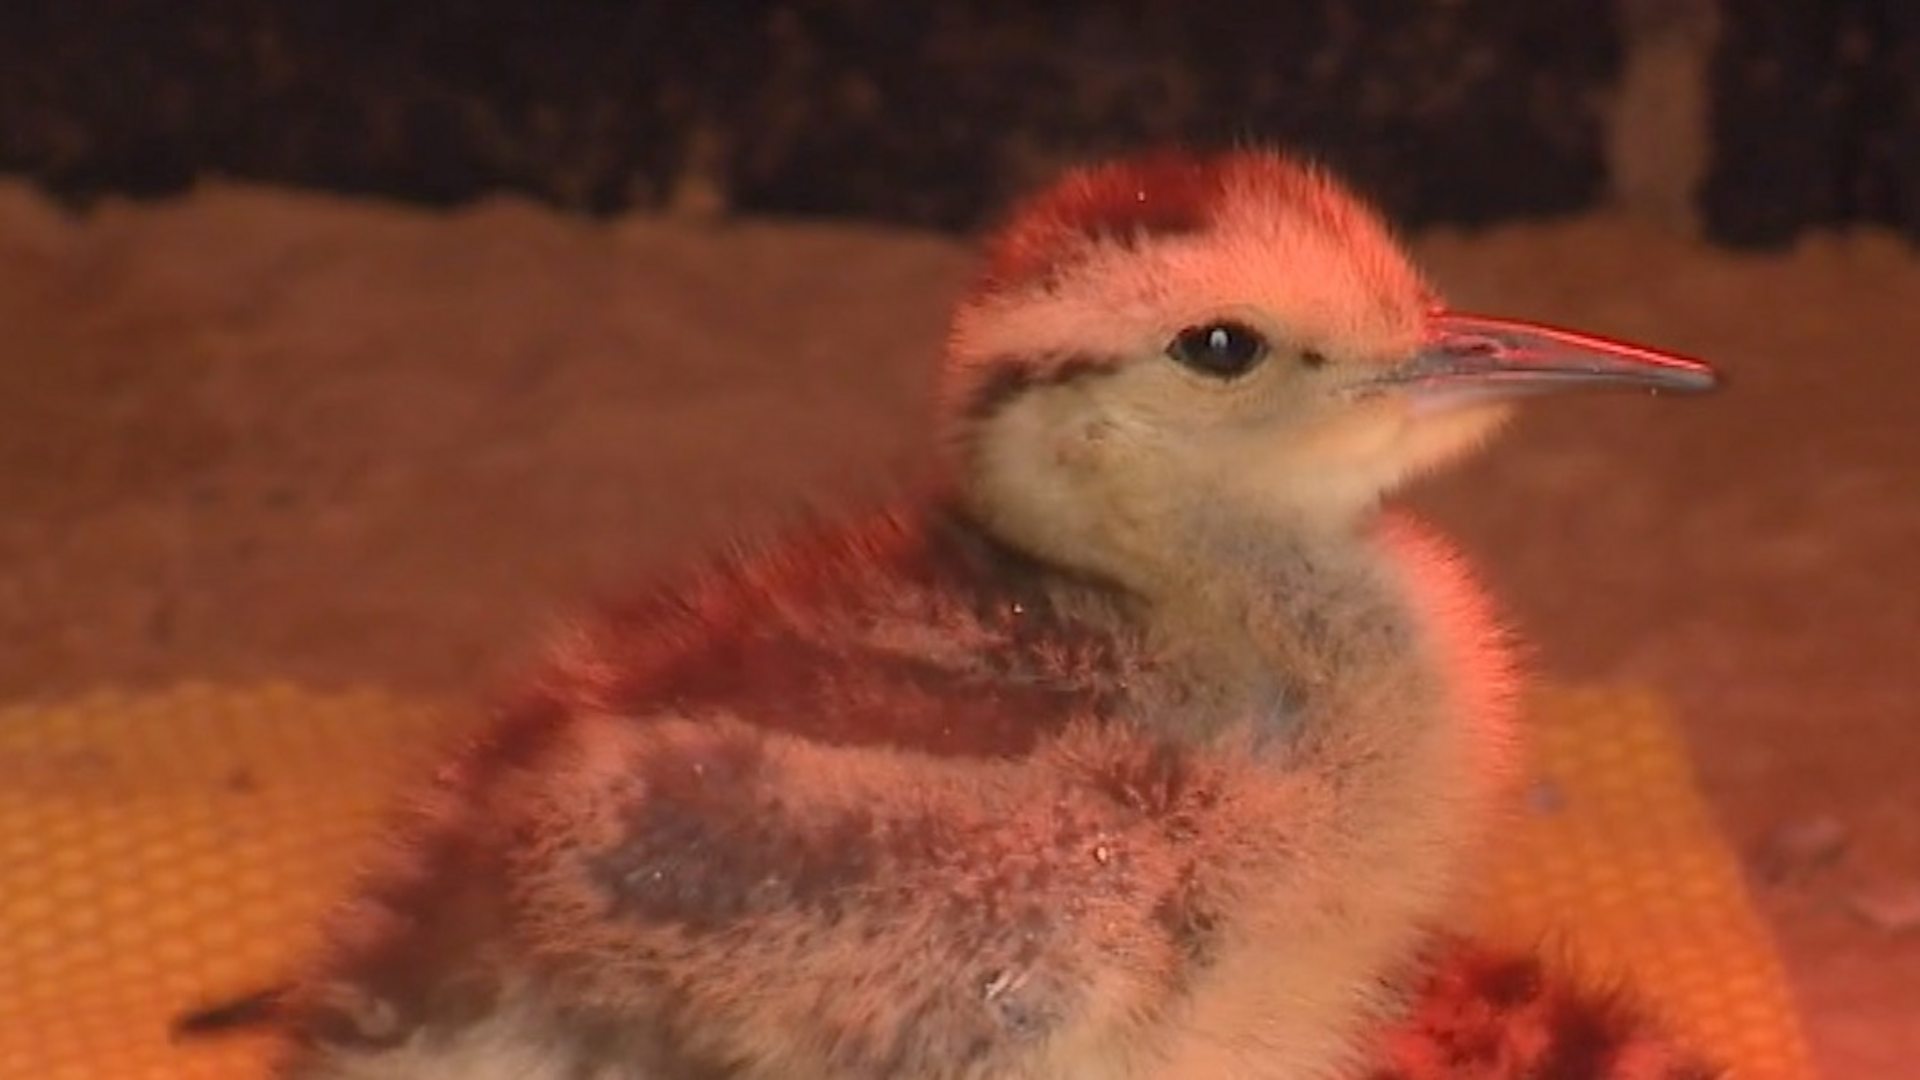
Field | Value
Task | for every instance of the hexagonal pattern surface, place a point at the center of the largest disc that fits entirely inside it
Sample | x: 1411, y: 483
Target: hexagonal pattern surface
x: 164, y: 850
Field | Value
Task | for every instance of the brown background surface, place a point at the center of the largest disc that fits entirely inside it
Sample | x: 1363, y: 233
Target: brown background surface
x: 251, y: 434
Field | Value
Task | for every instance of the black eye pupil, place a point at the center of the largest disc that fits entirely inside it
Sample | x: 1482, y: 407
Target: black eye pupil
x: 1223, y: 349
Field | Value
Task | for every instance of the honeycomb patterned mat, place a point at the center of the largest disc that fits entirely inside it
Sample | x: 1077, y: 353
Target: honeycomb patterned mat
x: 168, y: 849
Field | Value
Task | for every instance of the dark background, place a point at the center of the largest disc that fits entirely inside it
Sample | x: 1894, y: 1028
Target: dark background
x: 933, y: 113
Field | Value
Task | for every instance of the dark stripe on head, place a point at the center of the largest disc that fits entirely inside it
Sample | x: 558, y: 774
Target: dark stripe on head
x: 1124, y: 202
x: 1009, y: 376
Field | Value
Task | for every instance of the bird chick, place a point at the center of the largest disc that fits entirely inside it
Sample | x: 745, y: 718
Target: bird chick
x: 1143, y: 745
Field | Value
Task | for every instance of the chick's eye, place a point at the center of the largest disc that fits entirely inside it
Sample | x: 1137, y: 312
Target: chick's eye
x: 1223, y: 349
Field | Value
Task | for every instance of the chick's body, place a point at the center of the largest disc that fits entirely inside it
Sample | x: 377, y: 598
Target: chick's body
x: 1146, y: 748
x: 891, y: 806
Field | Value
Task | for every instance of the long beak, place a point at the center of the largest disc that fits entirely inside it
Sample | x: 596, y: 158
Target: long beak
x: 1481, y: 357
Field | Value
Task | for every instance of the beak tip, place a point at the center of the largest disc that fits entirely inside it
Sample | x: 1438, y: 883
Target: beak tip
x: 1693, y: 376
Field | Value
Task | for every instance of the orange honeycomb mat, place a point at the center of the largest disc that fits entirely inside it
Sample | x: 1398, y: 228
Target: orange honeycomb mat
x: 162, y: 850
